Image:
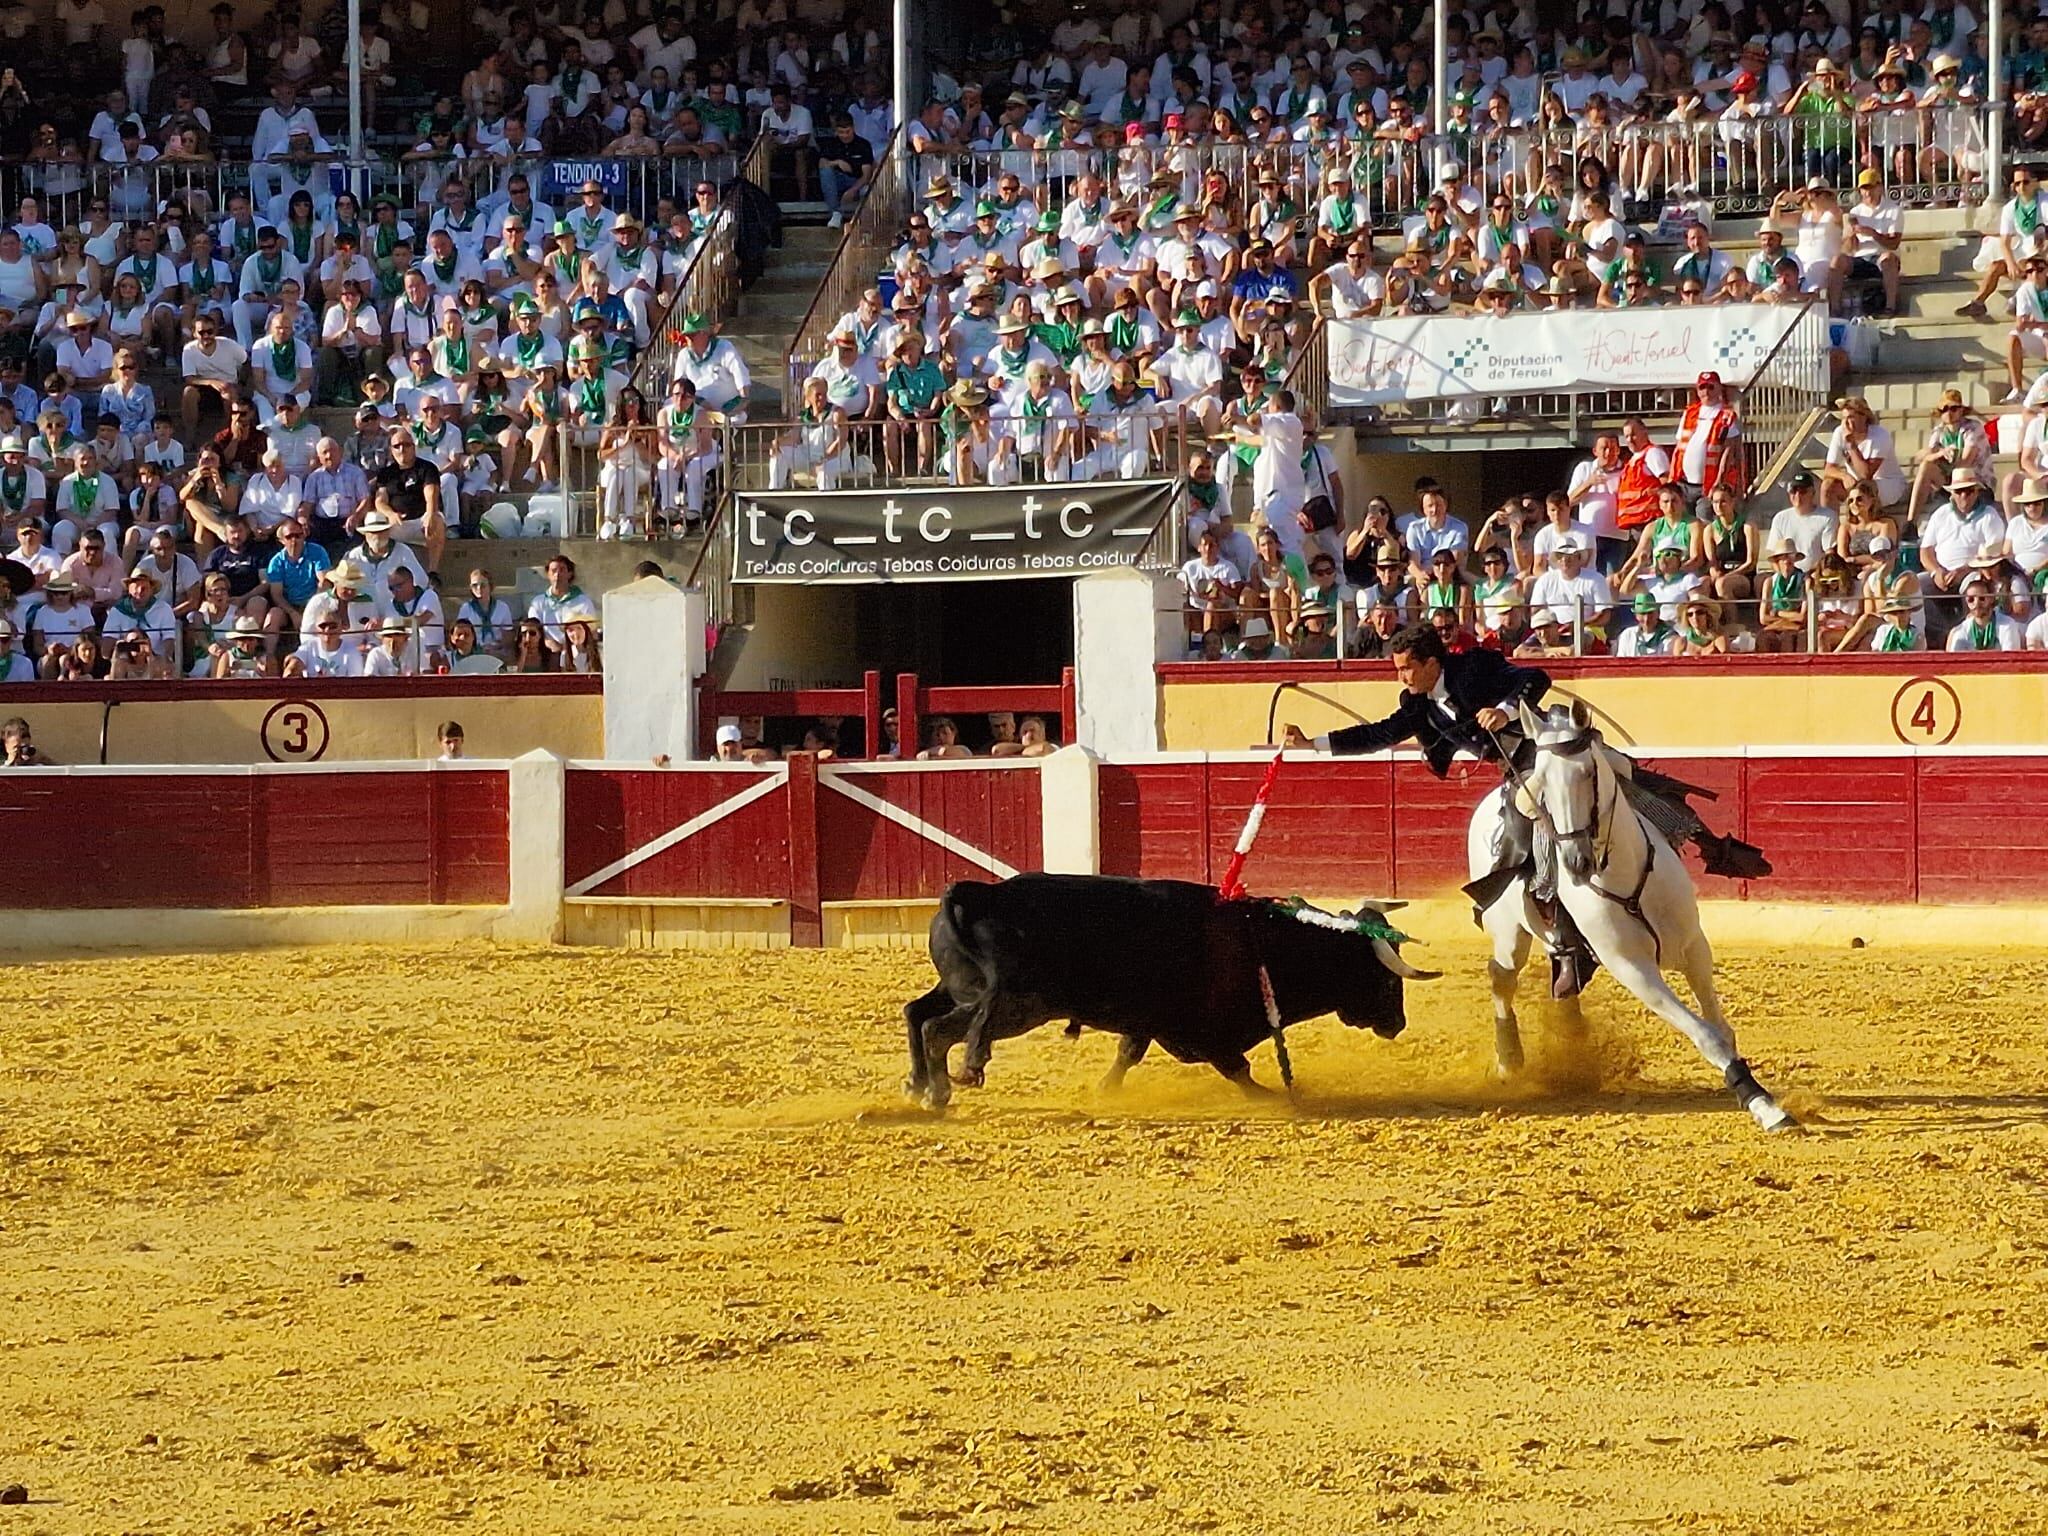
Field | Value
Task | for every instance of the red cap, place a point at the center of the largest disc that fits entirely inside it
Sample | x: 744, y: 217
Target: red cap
x: 1709, y: 377
x: 1743, y: 82
x: 1133, y: 132
x: 1173, y: 120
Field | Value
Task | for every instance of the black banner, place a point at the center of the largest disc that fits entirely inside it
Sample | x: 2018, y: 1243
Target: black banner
x: 946, y: 533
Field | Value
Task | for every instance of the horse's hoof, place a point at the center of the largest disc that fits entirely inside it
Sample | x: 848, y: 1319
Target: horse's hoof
x: 1772, y: 1115
x: 967, y: 1077
x: 1505, y: 1069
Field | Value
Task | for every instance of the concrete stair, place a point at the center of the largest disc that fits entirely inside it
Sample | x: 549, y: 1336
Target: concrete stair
x: 770, y: 311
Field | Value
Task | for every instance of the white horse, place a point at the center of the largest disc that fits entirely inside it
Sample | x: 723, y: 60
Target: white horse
x: 1622, y: 884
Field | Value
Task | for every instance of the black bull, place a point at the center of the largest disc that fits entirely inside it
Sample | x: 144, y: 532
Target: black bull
x: 1150, y: 960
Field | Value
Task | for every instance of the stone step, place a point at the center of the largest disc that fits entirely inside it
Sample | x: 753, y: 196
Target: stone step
x: 1928, y: 345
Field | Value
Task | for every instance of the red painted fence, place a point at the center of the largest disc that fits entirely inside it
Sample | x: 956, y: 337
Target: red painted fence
x: 253, y: 837
x: 1876, y: 827
x: 801, y: 831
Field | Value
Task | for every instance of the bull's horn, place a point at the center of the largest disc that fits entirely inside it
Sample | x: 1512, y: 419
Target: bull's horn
x: 1390, y: 957
x: 1372, y: 904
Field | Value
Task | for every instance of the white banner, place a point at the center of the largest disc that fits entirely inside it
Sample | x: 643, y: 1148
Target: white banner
x: 1552, y: 352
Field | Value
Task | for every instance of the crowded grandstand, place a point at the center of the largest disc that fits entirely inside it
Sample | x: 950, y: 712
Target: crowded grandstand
x: 275, y: 358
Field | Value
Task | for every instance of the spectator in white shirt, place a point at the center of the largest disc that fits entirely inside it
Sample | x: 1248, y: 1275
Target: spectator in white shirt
x: 1809, y: 526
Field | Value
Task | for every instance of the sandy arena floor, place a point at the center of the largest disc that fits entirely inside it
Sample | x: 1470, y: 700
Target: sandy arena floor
x: 526, y: 1241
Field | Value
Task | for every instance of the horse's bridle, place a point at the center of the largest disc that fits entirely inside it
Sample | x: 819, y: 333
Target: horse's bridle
x: 1573, y: 747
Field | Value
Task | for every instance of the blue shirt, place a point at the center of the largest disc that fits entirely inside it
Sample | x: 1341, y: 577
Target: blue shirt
x: 1254, y: 285
x: 136, y: 410
x: 300, y: 578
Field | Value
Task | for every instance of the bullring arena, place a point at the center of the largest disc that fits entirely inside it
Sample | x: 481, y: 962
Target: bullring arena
x: 646, y: 647
x: 443, y: 1226
x: 543, y: 1239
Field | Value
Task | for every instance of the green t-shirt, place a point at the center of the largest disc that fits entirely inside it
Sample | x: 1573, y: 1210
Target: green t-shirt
x: 912, y: 389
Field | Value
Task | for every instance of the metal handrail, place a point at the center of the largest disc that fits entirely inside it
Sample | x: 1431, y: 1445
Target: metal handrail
x: 1724, y: 168
x: 136, y: 191
x: 864, y: 244
x: 1308, y: 376
x: 1788, y: 390
x: 708, y: 287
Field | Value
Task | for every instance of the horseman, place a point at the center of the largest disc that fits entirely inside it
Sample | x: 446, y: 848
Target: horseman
x: 1468, y: 705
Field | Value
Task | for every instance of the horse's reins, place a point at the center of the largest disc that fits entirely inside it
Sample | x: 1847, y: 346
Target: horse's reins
x: 1631, y: 903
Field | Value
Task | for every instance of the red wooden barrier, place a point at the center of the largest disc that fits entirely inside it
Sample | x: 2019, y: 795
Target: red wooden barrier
x: 1882, y: 827
x: 627, y: 821
x: 254, y: 838
x: 913, y: 703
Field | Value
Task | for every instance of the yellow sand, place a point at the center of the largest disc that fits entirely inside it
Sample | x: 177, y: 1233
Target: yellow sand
x: 514, y: 1240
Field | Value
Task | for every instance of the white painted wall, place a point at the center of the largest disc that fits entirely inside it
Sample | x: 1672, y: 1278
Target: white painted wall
x: 537, y: 843
x: 1124, y: 621
x: 653, y: 655
x: 1070, y: 812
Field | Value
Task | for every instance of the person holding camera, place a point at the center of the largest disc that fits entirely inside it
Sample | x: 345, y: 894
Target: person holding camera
x: 20, y: 747
x: 210, y: 497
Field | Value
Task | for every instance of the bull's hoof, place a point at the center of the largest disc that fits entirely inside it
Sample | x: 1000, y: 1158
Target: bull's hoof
x: 1390, y: 1031
x: 967, y: 1077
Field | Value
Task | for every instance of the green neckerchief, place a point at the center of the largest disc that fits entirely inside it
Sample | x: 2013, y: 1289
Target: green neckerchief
x: 588, y: 229
x: 343, y: 228
x: 202, y: 277
x: 85, y: 493
x: 682, y: 424
x: 301, y: 236
x: 1011, y: 363
x: 1343, y: 214
x: 270, y: 270
x: 1692, y: 636
x: 390, y: 283
x: 1035, y: 410
x: 568, y: 268
x: 1546, y: 205
x: 1656, y: 636
x: 572, y: 82
x: 457, y: 350
x: 1204, y: 493
x: 1984, y: 637
x: 14, y: 488
x: 284, y: 359
x: 145, y: 275
x: 1129, y: 109
x: 1896, y: 638
x: 382, y: 238
x: 591, y: 392
x: 422, y: 436
x: 245, y: 240
x: 445, y: 270
x: 1786, y: 591
x: 2026, y: 215
x: 1486, y: 591
x: 527, y: 349
x: 480, y: 317
x: 1123, y: 334
x: 1062, y: 338
x: 1440, y: 594
x: 511, y: 256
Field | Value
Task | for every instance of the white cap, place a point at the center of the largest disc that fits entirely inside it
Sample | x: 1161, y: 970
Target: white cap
x: 729, y: 733
x: 1553, y: 616
x: 1254, y: 627
x: 1205, y: 289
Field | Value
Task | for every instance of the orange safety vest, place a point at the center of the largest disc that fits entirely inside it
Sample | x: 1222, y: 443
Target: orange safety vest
x: 1721, y: 468
x: 1635, y: 494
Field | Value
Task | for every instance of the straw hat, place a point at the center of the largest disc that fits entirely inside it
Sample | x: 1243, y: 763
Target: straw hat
x: 2032, y: 489
x: 1964, y: 479
x: 1712, y: 607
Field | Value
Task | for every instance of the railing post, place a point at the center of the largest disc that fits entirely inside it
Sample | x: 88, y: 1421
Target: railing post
x: 806, y: 912
x: 1578, y: 625
x: 909, y: 729
x: 871, y: 711
x: 1069, y: 711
